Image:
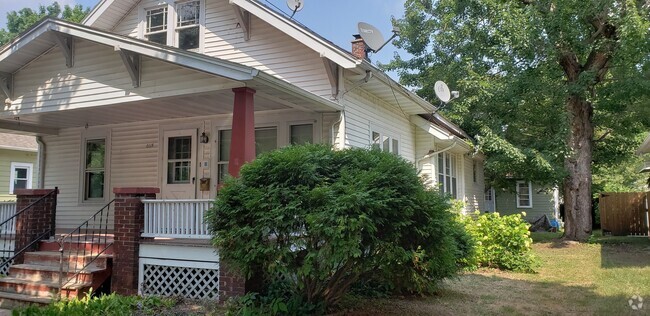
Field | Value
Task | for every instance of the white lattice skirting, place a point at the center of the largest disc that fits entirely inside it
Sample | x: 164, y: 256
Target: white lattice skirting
x: 197, y: 280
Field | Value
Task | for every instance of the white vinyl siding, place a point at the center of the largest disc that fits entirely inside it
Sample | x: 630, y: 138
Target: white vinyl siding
x: 99, y: 77
x: 268, y: 49
x: 361, y: 114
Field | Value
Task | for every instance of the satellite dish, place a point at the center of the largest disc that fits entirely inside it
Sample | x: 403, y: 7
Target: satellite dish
x: 371, y: 35
x: 295, y: 6
x: 442, y: 91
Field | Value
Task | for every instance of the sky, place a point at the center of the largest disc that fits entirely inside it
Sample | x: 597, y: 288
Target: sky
x: 336, y: 20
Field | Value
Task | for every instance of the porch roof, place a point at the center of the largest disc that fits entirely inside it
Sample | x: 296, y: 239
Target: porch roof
x: 49, y: 32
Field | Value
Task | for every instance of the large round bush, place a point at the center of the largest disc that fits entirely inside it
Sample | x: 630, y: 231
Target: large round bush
x: 318, y: 220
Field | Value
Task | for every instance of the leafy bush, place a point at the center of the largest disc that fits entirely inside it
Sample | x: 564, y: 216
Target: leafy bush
x: 501, y: 242
x: 100, y: 305
x: 319, y: 220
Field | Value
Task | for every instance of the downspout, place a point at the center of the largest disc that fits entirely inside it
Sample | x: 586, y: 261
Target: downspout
x: 429, y: 155
x: 334, y: 124
x: 41, y: 162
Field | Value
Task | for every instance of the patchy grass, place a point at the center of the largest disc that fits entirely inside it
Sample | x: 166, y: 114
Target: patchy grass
x: 597, y: 278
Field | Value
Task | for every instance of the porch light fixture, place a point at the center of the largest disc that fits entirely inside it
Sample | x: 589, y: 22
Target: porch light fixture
x: 204, y: 138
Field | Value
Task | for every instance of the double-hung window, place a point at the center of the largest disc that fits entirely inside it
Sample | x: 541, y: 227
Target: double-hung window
x: 156, y: 25
x: 174, y: 23
x: 266, y: 139
x: 447, y: 174
x: 21, y: 176
x: 524, y: 194
x: 385, y: 142
x: 94, y: 169
x: 187, y: 24
x: 301, y: 134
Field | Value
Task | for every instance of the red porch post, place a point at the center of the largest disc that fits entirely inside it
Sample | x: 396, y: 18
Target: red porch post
x: 242, y: 143
x: 129, y: 222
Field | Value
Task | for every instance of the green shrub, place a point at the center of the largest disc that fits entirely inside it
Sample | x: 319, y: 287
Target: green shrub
x: 502, y: 242
x: 319, y: 220
x: 100, y: 306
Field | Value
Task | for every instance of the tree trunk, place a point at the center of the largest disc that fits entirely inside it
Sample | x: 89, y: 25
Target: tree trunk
x: 577, y: 185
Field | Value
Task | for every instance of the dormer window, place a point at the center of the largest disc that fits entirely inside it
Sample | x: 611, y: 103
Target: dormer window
x: 156, y: 27
x: 187, y: 24
x: 174, y: 23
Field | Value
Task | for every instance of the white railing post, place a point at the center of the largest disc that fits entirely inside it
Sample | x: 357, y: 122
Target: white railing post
x: 176, y: 218
x: 7, y: 210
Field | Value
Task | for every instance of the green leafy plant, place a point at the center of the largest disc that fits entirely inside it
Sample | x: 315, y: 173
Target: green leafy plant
x: 500, y: 242
x: 318, y: 221
x: 90, y: 305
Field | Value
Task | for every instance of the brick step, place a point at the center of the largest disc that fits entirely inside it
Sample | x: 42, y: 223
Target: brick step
x: 73, y: 259
x: 13, y: 300
x: 89, y: 247
x: 41, y: 289
x: 44, y: 273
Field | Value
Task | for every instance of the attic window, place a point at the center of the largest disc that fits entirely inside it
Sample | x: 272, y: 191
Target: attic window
x: 156, y: 29
x: 187, y: 24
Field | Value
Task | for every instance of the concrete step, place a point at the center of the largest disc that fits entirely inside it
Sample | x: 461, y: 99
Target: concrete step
x: 45, y: 273
x: 13, y: 300
x: 74, y: 260
x: 41, y: 289
x: 88, y: 247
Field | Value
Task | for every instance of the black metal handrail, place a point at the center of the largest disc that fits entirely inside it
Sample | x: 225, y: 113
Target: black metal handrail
x: 8, y: 226
x: 94, y: 229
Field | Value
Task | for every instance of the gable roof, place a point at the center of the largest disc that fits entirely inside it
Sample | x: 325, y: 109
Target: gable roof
x: 18, y: 142
x: 108, y: 13
x: 43, y: 36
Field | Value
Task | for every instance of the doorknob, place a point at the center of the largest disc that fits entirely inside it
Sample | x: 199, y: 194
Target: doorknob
x: 193, y: 180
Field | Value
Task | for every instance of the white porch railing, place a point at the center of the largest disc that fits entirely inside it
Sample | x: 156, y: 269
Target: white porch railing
x: 7, y: 210
x: 176, y: 218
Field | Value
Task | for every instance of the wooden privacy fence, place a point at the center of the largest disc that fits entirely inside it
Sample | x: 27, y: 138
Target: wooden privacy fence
x: 625, y: 213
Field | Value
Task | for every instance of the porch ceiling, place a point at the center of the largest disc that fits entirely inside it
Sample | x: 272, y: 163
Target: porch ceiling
x: 200, y: 104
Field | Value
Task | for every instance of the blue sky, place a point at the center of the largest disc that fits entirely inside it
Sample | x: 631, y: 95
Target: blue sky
x: 335, y: 20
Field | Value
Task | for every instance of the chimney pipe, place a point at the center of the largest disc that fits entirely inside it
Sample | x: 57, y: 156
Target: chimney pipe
x: 359, y: 48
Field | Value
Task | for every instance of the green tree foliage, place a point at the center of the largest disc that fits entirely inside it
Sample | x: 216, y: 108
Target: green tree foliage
x: 313, y: 221
x: 21, y: 20
x: 550, y: 87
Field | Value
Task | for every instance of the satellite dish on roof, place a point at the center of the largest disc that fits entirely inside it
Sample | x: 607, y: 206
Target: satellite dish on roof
x: 295, y: 6
x: 373, y: 37
x: 442, y: 91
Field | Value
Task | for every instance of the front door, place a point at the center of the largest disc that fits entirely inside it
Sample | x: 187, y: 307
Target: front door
x: 179, y: 164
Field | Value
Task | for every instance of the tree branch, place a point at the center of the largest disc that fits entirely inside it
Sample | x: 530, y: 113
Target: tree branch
x: 601, y: 138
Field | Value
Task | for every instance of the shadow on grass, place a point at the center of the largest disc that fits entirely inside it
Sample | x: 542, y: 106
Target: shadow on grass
x: 615, y: 251
x: 481, y: 294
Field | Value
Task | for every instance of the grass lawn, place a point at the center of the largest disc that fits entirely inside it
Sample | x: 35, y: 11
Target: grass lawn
x: 574, y: 279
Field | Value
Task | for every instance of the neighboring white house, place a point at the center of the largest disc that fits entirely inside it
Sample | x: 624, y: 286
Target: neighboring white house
x: 176, y: 94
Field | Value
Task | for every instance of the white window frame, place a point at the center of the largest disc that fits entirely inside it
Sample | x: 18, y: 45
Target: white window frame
x: 12, y: 178
x: 315, y: 137
x: 530, y: 195
x: 172, y: 29
x: 87, y: 135
x: 392, y: 136
x: 453, y: 174
x: 165, y: 31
